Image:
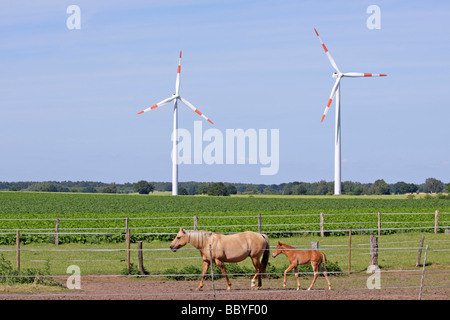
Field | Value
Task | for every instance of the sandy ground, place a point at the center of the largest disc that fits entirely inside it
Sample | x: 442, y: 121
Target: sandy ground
x: 394, y: 286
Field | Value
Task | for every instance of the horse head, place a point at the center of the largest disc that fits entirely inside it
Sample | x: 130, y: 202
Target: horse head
x: 180, y: 240
x: 278, y: 249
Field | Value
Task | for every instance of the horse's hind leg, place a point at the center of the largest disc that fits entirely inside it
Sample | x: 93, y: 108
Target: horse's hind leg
x: 322, y: 269
x: 257, y: 265
x: 296, y: 278
x: 222, y: 268
x: 316, y: 274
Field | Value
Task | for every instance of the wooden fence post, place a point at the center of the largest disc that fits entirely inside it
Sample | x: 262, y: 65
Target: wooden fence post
x: 436, y: 221
x: 321, y: 224
x: 420, y: 251
x: 195, y: 222
x: 18, y: 249
x: 259, y: 223
x: 349, y: 251
x: 126, y: 224
x: 128, y: 250
x: 423, y: 273
x: 56, y: 231
x: 379, y: 223
x: 314, y: 245
x: 140, y: 257
x: 373, y: 252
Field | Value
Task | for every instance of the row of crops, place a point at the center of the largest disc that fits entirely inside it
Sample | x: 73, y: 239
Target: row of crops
x: 104, y: 218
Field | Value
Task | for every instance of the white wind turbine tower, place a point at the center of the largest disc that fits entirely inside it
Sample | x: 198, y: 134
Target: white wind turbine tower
x: 338, y: 75
x: 175, y: 97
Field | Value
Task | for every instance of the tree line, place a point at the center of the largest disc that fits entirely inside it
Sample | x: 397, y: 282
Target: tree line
x: 379, y: 187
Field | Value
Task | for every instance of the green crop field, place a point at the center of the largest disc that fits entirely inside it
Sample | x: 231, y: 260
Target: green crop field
x: 97, y: 218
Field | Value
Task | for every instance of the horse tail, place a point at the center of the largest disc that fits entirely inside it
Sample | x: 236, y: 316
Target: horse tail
x: 324, y: 258
x: 265, y: 258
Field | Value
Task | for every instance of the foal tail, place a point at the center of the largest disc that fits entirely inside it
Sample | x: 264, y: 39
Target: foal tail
x: 324, y: 258
x: 265, y: 258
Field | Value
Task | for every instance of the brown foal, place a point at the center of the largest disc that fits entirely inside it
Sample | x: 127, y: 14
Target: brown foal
x: 298, y: 257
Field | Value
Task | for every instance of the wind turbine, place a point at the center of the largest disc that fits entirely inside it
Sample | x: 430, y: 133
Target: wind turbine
x: 338, y: 75
x: 175, y: 97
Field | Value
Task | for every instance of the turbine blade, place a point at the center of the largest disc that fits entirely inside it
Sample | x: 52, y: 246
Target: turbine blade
x: 333, y: 93
x: 333, y: 63
x: 195, y: 109
x: 158, y: 104
x: 358, y: 74
x: 177, y: 85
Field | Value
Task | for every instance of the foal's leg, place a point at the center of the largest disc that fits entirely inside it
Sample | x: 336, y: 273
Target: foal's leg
x: 205, y: 269
x: 316, y: 274
x: 292, y: 266
x: 296, y: 278
x: 322, y: 269
x: 221, y: 266
x: 257, y: 265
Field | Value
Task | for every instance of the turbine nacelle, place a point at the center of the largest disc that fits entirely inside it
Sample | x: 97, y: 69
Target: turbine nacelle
x: 337, y: 75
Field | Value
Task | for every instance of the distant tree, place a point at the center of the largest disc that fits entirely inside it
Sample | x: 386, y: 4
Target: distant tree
x: 143, y: 187
x: 202, y: 188
x: 218, y: 189
x: 358, y: 190
x: 448, y: 187
x: 232, y: 189
x: 322, y: 188
x: 182, y: 191
x: 89, y: 190
x: 380, y: 187
x: 433, y: 185
x: 110, y: 188
x: 301, y: 189
x: 403, y: 187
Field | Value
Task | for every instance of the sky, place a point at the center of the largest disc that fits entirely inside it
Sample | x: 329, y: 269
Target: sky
x: 70, y: 97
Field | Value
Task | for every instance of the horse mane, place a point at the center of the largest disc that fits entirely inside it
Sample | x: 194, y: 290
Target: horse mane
x: 286, y: 246
x: 199, y: 238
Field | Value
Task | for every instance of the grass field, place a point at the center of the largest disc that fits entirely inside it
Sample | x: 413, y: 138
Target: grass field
x: 398, y: 251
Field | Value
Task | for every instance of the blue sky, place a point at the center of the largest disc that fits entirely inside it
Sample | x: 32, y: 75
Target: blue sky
x: 70, y: 97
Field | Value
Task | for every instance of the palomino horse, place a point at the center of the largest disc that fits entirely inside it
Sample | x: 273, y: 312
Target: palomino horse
x: 226, y: 248
x: 298, y: 257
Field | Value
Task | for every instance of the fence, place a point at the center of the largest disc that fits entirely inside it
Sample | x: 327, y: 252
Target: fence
x: 417, y: 278
x: 270, y: 224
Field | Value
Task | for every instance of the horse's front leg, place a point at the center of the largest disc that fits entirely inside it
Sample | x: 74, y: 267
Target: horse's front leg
x: 221, y: 266
x: 205, y: 269
x: 292, y: 266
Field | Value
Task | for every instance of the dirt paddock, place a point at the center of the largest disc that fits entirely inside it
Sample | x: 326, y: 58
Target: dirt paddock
x: 395, y: 286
